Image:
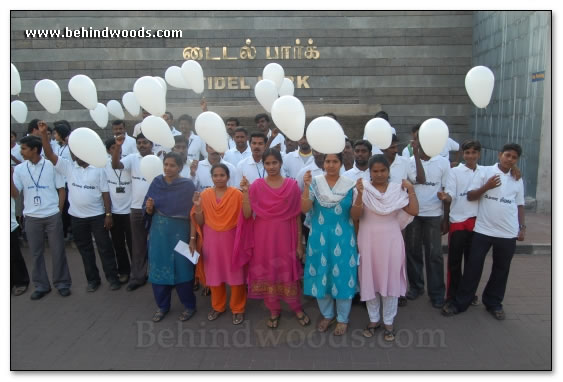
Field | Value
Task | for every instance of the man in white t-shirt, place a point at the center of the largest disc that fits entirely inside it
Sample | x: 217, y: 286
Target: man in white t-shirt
x: 241, y: 149
x: 400, y: 168
x: 500, y: 222
x: 139, y: 188
x: 62, y: 131
x: 426, y: 229
x: 275, y: 138
x: 130, y: 144
x: 200, y: 173
x: 252, y: 167
x: 196, y: 146
x: 119, y: 184
x: 90, y: 211
x: 294, y: 161
x: 362, y: 153
x: 43, y: 194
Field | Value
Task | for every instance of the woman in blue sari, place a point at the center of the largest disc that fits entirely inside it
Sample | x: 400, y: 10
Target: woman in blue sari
x: 167, y: 209
x: 330, y: 272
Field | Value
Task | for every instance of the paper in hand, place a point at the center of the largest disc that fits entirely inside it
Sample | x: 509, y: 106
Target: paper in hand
x: 184, y: 249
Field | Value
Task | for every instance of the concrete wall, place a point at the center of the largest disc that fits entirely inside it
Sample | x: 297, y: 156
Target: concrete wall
x: 410, y: 63
x: 515, y: 45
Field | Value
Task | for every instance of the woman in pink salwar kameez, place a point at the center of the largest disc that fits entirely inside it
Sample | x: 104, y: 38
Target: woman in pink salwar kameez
x: 267, y: 240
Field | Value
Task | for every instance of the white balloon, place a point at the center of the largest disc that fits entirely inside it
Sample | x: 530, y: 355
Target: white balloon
x: 193, y: 75
x: 157, y: 130
x: 88, y: 146
x: 151, y: 166
x: 131, y: 105
x: 115, y: 109
x: 266, y: 93
x: 379, y: 133
x: 100, y: 115
x: 479, y: 83
x: 150, y: 95
x: 174, y: 77
x: 15, y: 82
x: 288, y: 114
x: 274, y: 72
x: 211, y: 128
x: 287, y: 88
x: 161, y: 82
x: 18, y: 109
x: 326, y: 136
x: 48, y: 94
x: 83, y: 90
x: 433, y: 135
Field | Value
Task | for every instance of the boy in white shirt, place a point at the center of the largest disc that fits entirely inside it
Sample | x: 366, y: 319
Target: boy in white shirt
x: 252, y: 167
x: 119, y: 184
x: 362, y: 153
x: 425, y: 230
x: 275, y: 139
x: 500, y: 222
x: 241, y: 150
x: 90, y: 211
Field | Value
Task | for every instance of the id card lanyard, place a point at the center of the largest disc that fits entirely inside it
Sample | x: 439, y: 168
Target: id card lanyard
x: 37, y: 198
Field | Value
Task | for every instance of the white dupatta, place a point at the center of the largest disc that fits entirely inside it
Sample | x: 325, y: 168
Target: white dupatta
x: 394, y: 198
x: 327, y: 197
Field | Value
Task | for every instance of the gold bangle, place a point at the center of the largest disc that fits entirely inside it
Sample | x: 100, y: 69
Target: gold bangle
x: 358, y: 205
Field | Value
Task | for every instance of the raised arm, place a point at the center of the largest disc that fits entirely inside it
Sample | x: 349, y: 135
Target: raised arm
x: 116, y: 155
x: 412, y: 207
x: 420, y: 175
x: 47, y: 150
x: 358, y: 206
x: 246, y: 208
x: 306, y: 203
x: 198, y: 209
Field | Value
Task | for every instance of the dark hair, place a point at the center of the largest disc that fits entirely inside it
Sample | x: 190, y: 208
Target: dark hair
x: 233, y: 119
x: 32, y: 142
x: 118, y: 122
x: 49, y: 129
x: 382, y: 114
x: 346, y: 140
x: 223, y: 166
x: 378, y: 158
x: 330, y: 115
x: 12, y: 132
x: 109, y: 142
x: 512, y: 146
x: 273, y: 152
x: 177, y: 158
x: 180, y: 139
x: 242, y: 130
x: 363, y: 142
x: 415, y: 128
x: 339, y: 155
x: 62, y: 129
x: 260, y: 116
x: 140, y: 135
x: 169, y: 114
x: 32, y: 125
x: 62, y: 122
x: 186, y: 117
x: 259, y: 135
x: 471, y: 144
x: 394, y: 138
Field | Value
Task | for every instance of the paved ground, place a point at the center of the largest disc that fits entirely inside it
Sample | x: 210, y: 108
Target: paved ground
x: 112, y: 330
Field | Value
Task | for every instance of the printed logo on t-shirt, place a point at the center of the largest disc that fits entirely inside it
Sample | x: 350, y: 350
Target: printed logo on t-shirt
x: 501, y: 200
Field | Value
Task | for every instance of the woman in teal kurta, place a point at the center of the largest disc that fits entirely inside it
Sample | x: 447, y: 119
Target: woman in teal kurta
x: 330, y: 272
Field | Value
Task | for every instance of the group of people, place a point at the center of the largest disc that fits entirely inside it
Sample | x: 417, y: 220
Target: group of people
x: 273, y: 220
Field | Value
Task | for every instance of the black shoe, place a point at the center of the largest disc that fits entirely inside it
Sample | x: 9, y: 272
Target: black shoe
x: 498, y: 313
x: 132, y: 286
x: 402, y: 301
x: 93, y: 286
x: 115, y: 285
x: 475, y: 301
x: 413, y: 295
x: 65, y: 292
x: 38, y: 294
x: 449, y: 310
x: 438, y: 304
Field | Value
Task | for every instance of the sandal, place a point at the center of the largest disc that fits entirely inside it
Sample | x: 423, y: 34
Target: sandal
x: 369, y: 331
x: 303, y: 319
x: 158, y: 315
x: 19, y: 290
x: 498, y: 314
x: 340, y: 329
x: 389, y: 335
x: 325, y: 323
x: 186, y: 315
x: 238, y: 318
x: 205, y: 291
x: 213, y: 315
x: 273, y: 322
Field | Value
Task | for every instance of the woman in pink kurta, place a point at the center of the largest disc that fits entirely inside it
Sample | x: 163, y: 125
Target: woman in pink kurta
x: 267, y: 239
x: 383, y: 209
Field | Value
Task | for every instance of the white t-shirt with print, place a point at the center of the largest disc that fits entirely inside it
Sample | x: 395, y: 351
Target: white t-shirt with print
x: 460, y: 181
x: 139, y: 185
x: 436, y: 173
